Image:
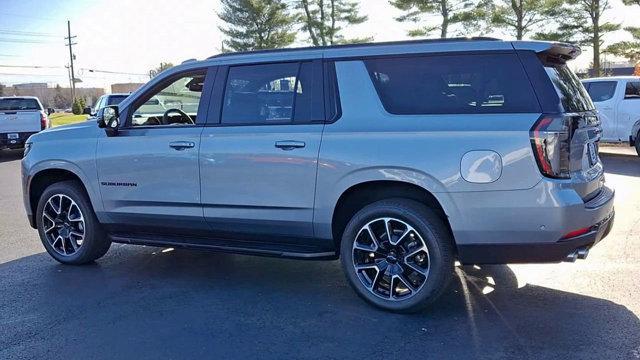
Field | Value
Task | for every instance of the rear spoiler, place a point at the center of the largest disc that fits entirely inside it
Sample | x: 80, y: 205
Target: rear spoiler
x: 562, y: 51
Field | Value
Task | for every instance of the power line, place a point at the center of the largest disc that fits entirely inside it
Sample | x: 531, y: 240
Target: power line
x: 25, y: 41
x: 32, y: 66
x: 112, y: 72
x: 28, y: 33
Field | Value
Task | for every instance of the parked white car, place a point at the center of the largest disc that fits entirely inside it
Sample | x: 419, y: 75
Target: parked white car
x: 618, y: 102
x: 20, y: 117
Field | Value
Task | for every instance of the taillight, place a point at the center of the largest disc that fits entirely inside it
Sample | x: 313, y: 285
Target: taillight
x: 551, y: 142
x: 44, y: 122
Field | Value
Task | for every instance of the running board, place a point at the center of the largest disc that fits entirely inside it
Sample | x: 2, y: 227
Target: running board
x: 227, y: 246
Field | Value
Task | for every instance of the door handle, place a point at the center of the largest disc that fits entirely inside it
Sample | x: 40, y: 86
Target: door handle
x: 181, y: 145
x: 290, y: 144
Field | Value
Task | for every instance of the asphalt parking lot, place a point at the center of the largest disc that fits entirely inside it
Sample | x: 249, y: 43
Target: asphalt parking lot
x: 149, y: 303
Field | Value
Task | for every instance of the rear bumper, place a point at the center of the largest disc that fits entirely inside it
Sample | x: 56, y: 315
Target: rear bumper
x: 6, y: 143
x: 534, y: 253
x: 529, y: 226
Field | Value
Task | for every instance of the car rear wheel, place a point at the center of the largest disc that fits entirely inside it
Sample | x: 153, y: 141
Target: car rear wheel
x: 397, y: 255
x: 638, y: 143
x: 67, y: 225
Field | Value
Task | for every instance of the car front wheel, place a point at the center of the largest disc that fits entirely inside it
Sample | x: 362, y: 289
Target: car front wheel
x: 397, y: 255
x: 67, y: 225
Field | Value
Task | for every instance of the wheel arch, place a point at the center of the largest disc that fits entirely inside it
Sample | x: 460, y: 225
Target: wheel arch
x: 45, y: 177
x: 362, y: 194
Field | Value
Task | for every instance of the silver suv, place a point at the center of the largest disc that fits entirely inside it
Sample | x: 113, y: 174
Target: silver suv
x: 397, y: 158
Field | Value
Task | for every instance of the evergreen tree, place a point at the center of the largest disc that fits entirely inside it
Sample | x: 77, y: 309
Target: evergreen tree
x: 323, y: 20
x: 520, y: 17
x: 1, y: 90
x: 582, y: 24
x: 256, y: 24
x: 469, y: 13
x: 628, y: 49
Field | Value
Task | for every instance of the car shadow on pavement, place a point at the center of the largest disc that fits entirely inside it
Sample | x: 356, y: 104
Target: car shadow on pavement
x: 10, y: 155
x: 621, y: 164
x: 152, y: 303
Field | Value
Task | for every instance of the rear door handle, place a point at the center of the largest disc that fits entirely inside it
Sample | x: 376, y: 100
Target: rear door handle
x: 290, y: 144
x: 181, y: 145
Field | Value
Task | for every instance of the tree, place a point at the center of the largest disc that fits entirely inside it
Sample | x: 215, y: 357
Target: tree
x: 582, y: 24
x: 256, y: 24
x: 163, y: 66
x: 451, y: 12
x: 60, y: 100
x: 520, y: 17
x: 323, y: 20
x: 76, y: 107
x: 627, y: 49
x: 1, y: 90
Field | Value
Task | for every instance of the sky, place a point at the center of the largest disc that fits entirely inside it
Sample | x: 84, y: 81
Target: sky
x: 121, y: 40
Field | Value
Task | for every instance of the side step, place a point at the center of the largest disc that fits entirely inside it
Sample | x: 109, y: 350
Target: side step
x: 228, y: 246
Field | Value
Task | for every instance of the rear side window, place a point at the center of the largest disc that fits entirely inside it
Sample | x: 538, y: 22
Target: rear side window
x: 601, y: 90
x: 19, y: 104
x: 268, y: 94
x: 632, y: 90
x: 453, y: 84
x: 572, y: 94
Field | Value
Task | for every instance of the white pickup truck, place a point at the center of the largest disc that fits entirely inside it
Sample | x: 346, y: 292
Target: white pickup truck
x: 20, y: 117
x: 618, y: 102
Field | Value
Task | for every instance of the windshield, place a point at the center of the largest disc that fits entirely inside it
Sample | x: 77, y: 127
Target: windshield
x: 115, y: 100
x: 573, y: 96
x: 19, y: 104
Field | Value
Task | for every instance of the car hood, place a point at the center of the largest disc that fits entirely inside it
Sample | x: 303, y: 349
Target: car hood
x: 87, y: 128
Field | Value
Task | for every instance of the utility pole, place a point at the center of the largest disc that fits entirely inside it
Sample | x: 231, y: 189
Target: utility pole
x: 69, y: 38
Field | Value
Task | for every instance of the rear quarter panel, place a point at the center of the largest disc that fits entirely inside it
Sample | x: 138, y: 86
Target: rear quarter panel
x: 368, y: 144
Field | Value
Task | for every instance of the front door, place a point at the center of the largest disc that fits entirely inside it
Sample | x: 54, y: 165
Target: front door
x: 148, y: 173
x: 258, y: 164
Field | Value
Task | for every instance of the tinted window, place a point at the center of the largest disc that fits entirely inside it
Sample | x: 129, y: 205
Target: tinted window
x: 175, y: 104
x: 632, y: 91
x: 115, y: 100
x: 268, y: 94
x: 573, y: 96
x: 453, y: 84
x: 601, y: 90
x: 19, y: 104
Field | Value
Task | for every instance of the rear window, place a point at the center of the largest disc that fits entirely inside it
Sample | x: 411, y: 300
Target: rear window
x: 632, y: 90
x: 573, y: 96
x: 600, y: 90
x: 115, y: 100
x: 453, y: 84
x: 19, y: 104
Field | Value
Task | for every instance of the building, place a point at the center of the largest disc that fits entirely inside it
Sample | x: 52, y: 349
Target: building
x: 125, y: 87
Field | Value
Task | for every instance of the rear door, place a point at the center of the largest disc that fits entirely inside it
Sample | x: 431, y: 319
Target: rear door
x: 605, y: 96
x: 259, y: 154
x: 19, y: 115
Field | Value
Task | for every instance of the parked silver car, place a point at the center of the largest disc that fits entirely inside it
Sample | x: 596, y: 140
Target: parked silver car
x: 398, y: 158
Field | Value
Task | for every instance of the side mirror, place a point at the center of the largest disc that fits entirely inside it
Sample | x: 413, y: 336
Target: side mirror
x: 86, y: 111
x: 109, y: 120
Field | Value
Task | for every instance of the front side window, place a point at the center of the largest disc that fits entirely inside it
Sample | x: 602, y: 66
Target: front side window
x: 632, y: 90
x: 601, y: 90
x: 268, y: 94
x: 453, y: 84
x: 174, y: 104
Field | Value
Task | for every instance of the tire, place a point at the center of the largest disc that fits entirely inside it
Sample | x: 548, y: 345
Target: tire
x: 72, y: 222
x: 638, y: 143
x: 415, y: 228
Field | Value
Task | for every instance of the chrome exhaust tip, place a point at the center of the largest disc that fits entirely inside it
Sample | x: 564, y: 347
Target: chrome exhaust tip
x: 572, y: 257
x: 582, y: 253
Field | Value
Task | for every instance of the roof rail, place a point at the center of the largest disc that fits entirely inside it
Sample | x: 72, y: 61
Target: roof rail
x: 188, y: 61
x: 347, y: 46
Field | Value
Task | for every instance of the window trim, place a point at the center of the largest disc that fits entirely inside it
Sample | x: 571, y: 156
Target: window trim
x: 216, y: 105
x: 203, y: 106
x: 332, y: 102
